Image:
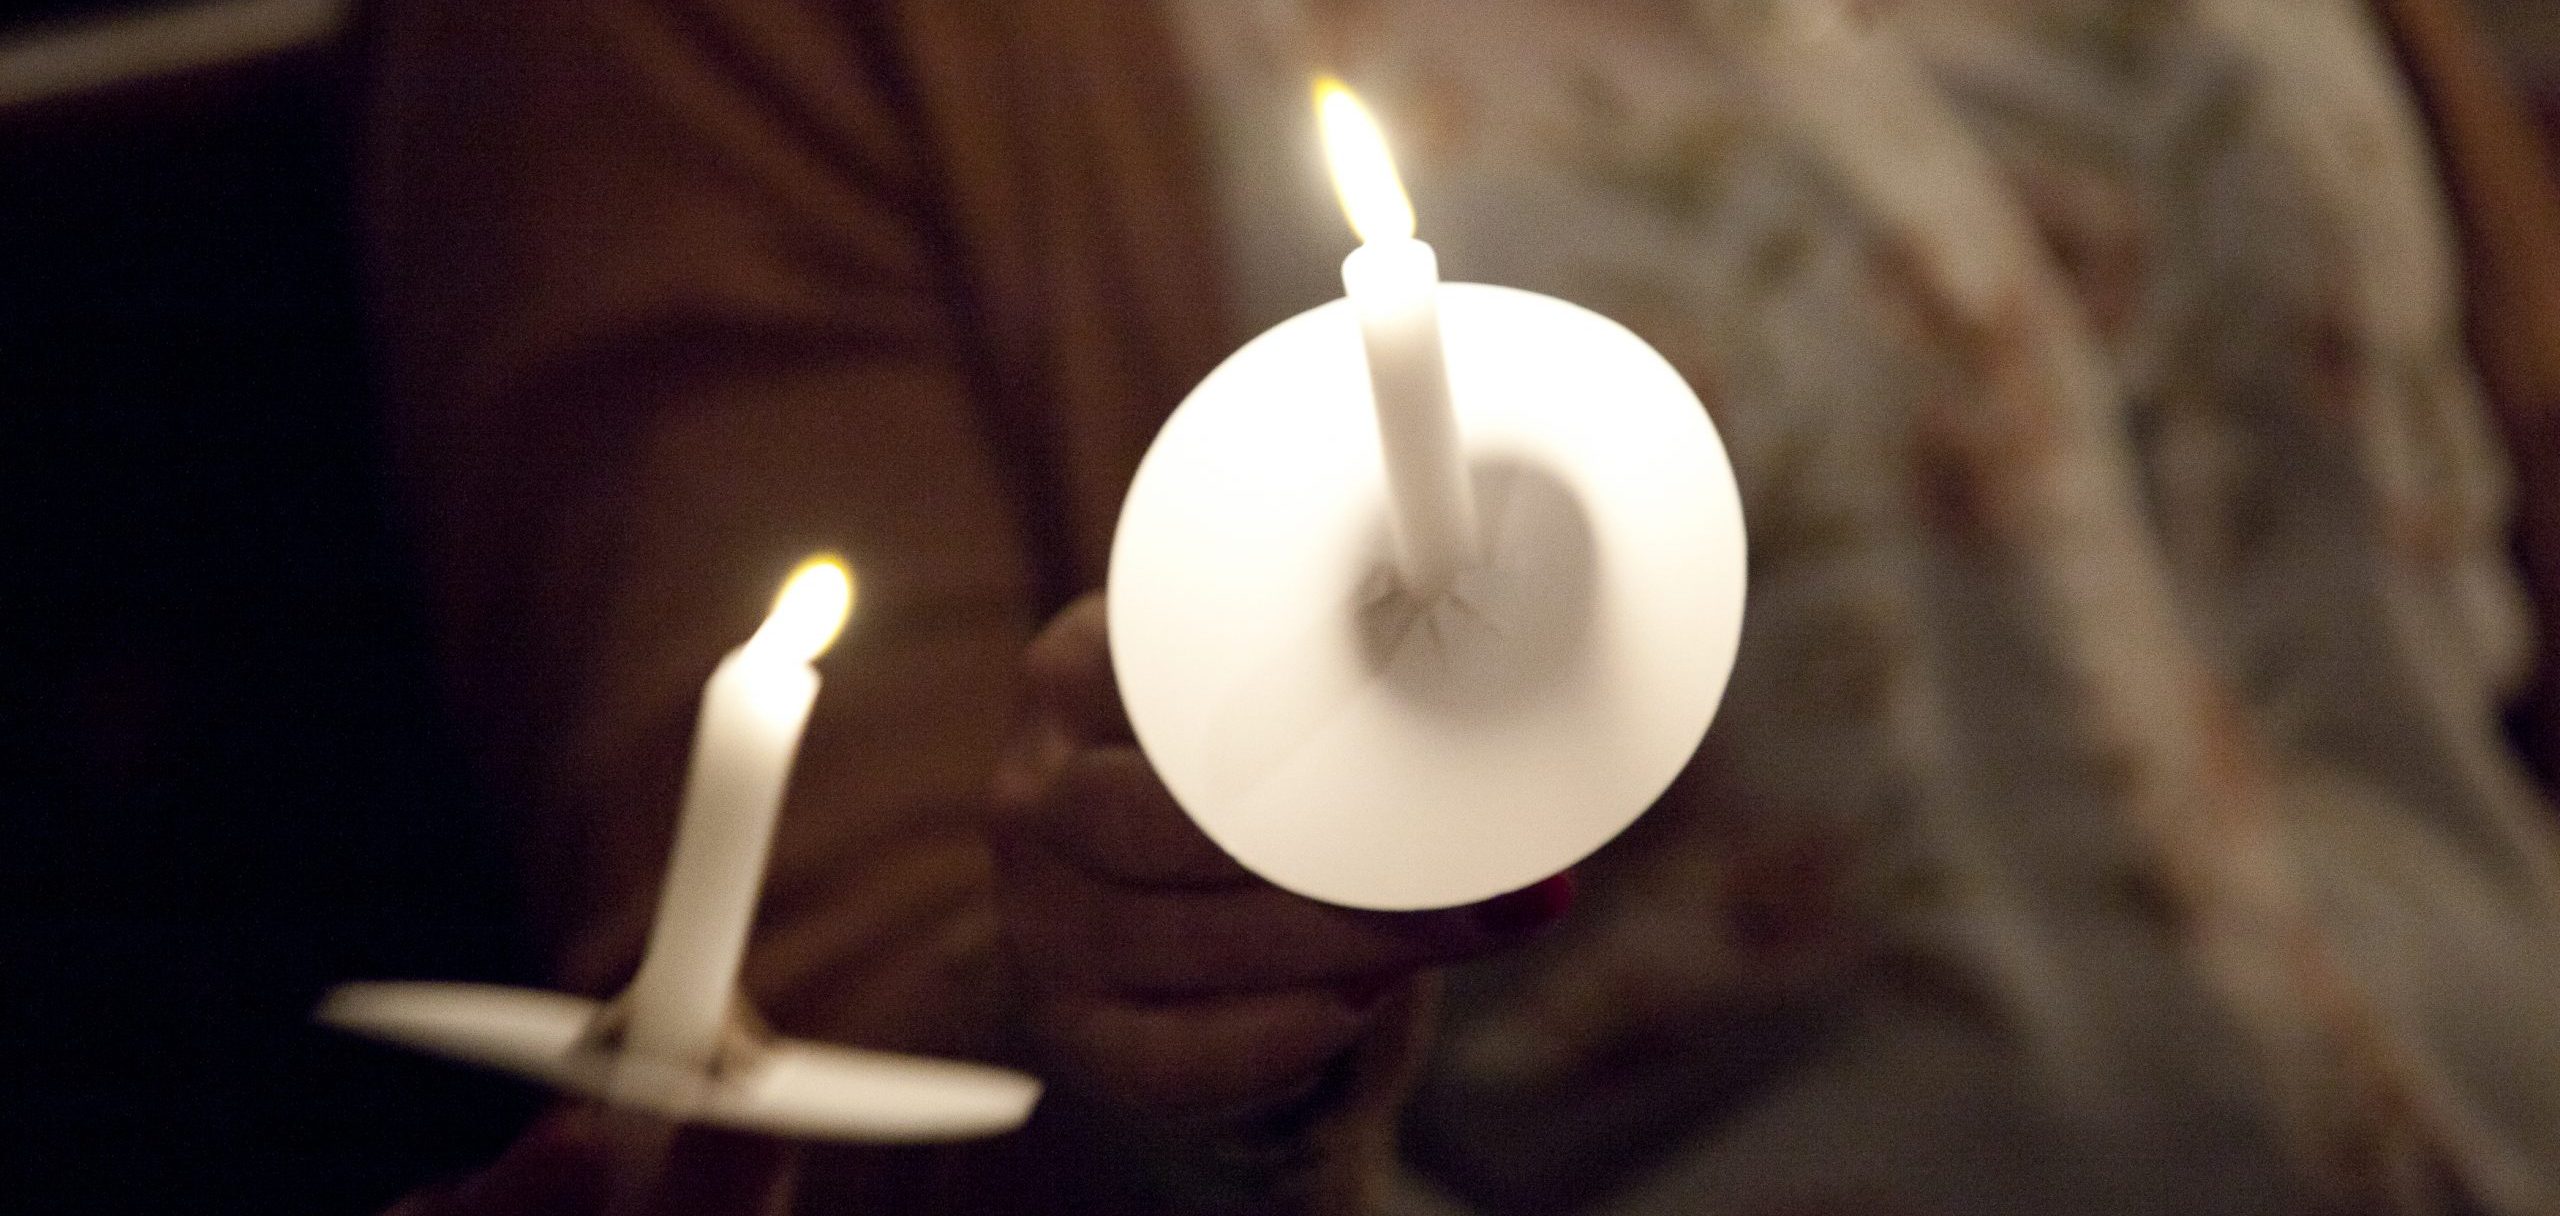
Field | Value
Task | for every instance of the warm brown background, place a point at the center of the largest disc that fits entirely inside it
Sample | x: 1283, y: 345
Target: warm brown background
x: 2527, y: 32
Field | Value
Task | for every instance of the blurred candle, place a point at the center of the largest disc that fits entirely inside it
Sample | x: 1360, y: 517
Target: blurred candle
x: 753, y: 711
x: 1394, y: 282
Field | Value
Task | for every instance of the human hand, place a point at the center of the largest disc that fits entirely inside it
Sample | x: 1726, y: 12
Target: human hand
x: 587, y: 1161
x: 1158, y: 972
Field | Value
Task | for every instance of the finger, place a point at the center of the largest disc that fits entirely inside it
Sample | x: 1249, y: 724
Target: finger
x: 1200, y: 1055
x: 1108, y: 814
x: 1531, y: 908
x: 716, y: 1171
x: 1071, y: 681
x: 1074, y: 931
x: 663, y: 1168
x: 1028, y: 767
x: 559, y: 1165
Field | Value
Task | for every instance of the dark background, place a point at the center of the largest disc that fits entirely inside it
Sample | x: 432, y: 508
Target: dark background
x: 233, y: 787
x: 232, y: 783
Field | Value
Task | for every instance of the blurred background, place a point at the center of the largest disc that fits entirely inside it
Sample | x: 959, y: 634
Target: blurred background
x: 235, y: 787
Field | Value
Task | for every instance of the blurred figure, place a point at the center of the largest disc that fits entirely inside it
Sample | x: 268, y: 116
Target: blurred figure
x: 2111, y: 811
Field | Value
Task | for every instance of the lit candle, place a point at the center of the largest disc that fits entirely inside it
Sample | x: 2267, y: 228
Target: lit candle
x: 672, y: 1057
x: 753, y: 711
x: 1393, y: 281
x: 1562, y: 554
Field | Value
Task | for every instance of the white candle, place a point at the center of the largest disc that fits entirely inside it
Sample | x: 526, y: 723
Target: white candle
x: 1560, y: 646
x: 753, y: 711
x: 674, y: 1059
x: 1393, y: 281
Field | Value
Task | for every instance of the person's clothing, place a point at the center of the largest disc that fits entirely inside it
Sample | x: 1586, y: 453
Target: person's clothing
x: 2499, y: 176
x: 2131, y: 612
x: 2109, y: 811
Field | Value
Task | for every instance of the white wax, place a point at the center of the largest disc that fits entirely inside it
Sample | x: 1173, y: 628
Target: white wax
x: 800, y: 1089
x: 753, y: 711
x: 1394, y: 285
x: 1381, y: 751
x: 676, y: 1011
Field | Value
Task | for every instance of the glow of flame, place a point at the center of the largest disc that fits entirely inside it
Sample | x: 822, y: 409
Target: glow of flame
x: 812, y: 608
x: 1364, y: 173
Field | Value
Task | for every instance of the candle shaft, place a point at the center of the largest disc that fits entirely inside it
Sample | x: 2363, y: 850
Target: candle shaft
x: 1394, y: 287
x: 753, y: 711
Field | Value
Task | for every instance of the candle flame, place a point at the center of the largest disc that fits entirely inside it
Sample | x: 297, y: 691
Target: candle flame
x: 1364, y: 173
x: 810, y: 611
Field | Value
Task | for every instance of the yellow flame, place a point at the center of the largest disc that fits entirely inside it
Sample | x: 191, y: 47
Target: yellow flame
x: 1364, y: 173
x: 810, y: 611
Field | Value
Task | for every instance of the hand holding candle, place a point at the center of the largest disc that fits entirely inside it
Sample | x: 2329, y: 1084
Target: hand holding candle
x: 1423, y: 595
x: 1153, y: 969
x: 673, y: 1056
